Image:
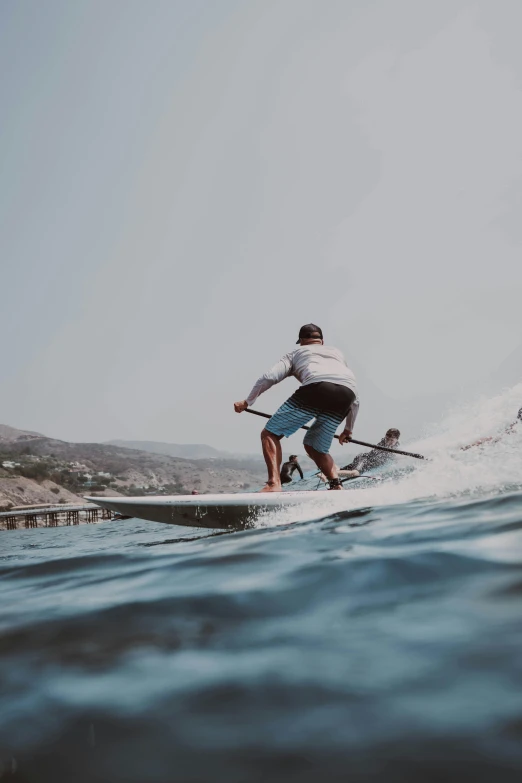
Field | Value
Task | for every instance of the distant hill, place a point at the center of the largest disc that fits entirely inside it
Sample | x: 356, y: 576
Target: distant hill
x: 185, y: 451
x: 122, y: 469
x: 16, y: 490
x: 11, y: 434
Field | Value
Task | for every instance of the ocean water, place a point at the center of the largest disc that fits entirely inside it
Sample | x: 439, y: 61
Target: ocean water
x: 376, y: 637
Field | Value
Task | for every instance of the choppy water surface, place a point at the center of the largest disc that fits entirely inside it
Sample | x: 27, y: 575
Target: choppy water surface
x: 378, y: 642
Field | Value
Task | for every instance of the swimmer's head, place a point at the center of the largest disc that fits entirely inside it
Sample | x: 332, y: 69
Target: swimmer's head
x: 391, y: 439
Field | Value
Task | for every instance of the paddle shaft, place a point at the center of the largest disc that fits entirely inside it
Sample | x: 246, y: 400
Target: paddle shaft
x: 352, y: 440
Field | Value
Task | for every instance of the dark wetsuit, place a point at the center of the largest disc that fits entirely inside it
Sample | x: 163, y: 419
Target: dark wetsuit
x: 373, y: 459
x: 287, y: 470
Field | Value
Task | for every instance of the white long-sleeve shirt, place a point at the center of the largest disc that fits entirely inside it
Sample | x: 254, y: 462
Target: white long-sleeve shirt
x: 310, y: 364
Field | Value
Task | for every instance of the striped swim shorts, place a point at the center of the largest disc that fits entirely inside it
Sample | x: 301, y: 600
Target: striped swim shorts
x: 329, y: 410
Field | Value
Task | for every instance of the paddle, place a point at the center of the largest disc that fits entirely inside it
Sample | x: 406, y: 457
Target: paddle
x: 362, y: 476
x: 351, y: 478
x: 352, y: 440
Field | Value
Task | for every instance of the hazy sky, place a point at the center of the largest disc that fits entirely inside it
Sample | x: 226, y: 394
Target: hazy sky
x: 183, y: 183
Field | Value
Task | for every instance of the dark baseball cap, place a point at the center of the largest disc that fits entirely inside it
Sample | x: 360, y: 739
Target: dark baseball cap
x: 310, y: 332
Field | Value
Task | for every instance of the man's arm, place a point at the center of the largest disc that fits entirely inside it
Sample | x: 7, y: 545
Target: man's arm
x: 275, y: 374
x: 350, y: 422
x: 298, y: 466
x: 281, y: 370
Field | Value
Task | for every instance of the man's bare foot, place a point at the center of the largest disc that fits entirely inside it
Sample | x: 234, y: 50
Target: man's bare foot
x: 339, y: 486
x: 269, y: 487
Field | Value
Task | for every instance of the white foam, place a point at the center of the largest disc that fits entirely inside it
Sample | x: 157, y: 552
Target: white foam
x: 452, y: 473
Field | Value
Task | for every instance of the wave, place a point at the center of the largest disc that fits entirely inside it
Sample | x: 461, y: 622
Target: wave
x: 370, y: 635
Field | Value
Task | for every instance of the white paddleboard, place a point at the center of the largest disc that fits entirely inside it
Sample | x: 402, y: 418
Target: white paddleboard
x: 211, y: 511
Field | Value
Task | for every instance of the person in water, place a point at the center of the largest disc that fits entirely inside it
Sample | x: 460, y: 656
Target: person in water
x: 371, y: 459
x: 288, y: 469
x: 374, y: 458
x: 328, y: 394
x: 508, y: 431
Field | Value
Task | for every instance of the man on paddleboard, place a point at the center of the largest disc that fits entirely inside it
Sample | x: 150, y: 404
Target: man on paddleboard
x: 328, y: 394
x: 288, y: 469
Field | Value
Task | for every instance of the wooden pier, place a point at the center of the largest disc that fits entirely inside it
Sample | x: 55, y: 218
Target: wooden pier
x: 52, y: 516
